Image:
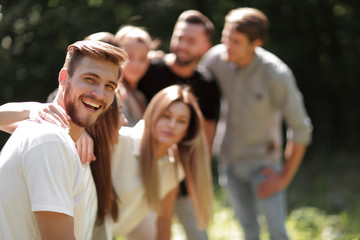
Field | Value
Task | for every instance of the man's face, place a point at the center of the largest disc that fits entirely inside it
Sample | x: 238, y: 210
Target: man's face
x: 239, y: 48
x: 189, y: 42
x: 90, y: 91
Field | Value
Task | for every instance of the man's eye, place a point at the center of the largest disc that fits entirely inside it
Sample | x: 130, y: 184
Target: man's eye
x: 111, y: 87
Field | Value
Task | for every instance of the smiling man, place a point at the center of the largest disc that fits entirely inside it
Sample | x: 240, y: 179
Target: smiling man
x: 41, y: 190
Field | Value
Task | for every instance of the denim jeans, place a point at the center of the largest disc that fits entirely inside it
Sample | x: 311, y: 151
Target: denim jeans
x: 185, y: 214
x: 241, y: 190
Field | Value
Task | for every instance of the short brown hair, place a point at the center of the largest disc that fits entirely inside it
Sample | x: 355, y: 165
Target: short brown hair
x: 196, y: 17
x: 249, y: 21
x: 94, y: 49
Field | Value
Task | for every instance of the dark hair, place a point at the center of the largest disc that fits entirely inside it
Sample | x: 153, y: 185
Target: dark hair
x: 249, y: 21
x: 94, y: 49
x: 196, y: 17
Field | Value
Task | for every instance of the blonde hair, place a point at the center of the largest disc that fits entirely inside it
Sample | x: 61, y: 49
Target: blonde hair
x: 136, y: 33
x: 192, y: 151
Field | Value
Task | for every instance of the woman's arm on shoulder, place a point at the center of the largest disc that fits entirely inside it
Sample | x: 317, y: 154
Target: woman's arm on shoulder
x: 13, y: 113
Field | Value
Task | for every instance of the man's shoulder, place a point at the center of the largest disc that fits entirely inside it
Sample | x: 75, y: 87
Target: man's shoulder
x: 202, y: 74
x: 217, y: 49
x: 40, y: 133
x: 157, y: 63
x: 271, y: 62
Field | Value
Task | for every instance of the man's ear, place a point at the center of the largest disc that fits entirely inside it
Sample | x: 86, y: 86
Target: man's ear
x: 258, y: 43
x: 207, y: 46
x: 63, y: 77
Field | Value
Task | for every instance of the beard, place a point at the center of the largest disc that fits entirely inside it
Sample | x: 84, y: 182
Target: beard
x: 185, y: 62
x: 72, y: 110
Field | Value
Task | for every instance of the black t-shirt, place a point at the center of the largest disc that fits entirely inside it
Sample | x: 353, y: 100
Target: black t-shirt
x: 202, y: 84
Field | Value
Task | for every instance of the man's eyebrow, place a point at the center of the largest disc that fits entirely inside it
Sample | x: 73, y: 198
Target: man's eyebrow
x: 91, y: 74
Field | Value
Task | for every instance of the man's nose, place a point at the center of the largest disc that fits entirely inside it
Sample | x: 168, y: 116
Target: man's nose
x: 98, y: 91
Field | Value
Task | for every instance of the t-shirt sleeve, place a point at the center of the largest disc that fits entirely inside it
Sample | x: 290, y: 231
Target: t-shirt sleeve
x: 287, y: 96
x: 208, y: 95
x: 54, y: 178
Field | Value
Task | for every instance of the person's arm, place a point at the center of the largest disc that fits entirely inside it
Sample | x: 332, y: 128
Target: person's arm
x: 276, y: 182
x: 165, y: 218
x: 55, y: 226
x: 13, y: 113
x: 85, y: 148
x: 210, y: 130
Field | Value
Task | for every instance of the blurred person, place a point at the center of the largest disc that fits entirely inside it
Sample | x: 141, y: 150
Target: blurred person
x: 137, y: 43
x: 40, y: 160
x: 190, y: 40
x: 261, y: 92
x: 151, y: 158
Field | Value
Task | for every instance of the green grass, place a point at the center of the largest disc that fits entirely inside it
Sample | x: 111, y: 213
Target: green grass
x: 323, y: 203
x: 305, y: 223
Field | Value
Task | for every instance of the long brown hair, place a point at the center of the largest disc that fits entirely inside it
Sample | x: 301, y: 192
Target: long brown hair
x: 192, y: 151
x: 105, y: 134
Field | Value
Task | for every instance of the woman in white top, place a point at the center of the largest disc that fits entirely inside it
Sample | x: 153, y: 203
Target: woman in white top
x: 147, y: 166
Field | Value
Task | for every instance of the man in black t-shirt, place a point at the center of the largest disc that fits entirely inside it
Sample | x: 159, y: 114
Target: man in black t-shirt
x: 190, y: 41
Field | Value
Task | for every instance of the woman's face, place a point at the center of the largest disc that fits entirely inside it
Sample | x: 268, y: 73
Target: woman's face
x: 138, y: 61
x: 172, y: 125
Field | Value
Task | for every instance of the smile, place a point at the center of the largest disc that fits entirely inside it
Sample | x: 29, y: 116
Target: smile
x: 91, y: 105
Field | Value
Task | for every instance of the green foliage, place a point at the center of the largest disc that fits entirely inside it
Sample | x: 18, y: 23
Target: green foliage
x: 319, y: 39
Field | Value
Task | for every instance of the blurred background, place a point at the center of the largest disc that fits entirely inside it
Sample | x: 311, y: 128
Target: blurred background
x: 318, y: 39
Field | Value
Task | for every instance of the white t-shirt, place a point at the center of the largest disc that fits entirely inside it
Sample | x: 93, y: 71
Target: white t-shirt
x: 128, y: 183
x: 39, y: 171
x: 90, y: 203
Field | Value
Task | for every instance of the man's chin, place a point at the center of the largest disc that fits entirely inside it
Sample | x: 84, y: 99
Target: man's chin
x: 185, y: 62
x: 84, y: 122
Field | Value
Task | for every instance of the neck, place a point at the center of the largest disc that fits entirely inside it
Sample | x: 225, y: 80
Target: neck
x: 247, y: 61
x: 161, y: 150
x: 180, y: 70
x: 130, y: 85
x: 75, y: 131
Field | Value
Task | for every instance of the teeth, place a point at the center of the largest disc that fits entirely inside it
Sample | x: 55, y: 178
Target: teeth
x: 91, y: 104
